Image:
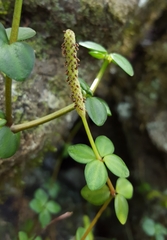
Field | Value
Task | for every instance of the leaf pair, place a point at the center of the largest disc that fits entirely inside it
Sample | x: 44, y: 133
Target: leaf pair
x: 99, y: 52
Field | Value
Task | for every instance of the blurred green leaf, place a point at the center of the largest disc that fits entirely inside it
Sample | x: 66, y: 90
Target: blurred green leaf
x: 116, y: 165
x: 121, y: 208
x: 36, y: 205
x: 80, y: 232
x: 2, y: 122
x: 44, y: 218
x: 23, y: 34
x: 124, y: 187
x: 8, y: 138
x: 93, y: 46
x: 53, y: 207
x: 148, y: 226
x: 96, y: 110
x: 2, y: 114
x: 96, y: 197
x: 41, y: 195
x: 104, y: 146
x: 123, y: 63
x: 81, y: 153
x: 23, y: 235
x: 95, y: 174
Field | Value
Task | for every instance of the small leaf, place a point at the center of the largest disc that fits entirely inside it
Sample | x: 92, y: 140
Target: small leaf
x: 38, y: 238
x: 41, y: 195
x: 98, y: 55
x: 116, y: 165
x: 95, y: 174
x: 148, y: 226
x: 123, y: 63
x: 96, y: 110
x: 121, y: 208
x: 2, y: 114
x: 104, y: 146
x: 93, y: 46
x: 81, y: 153
x: 44, y: 218
x: 53, y: 207
x: 9, y: 142
x: 85, y: 87
x: 2, y: 122
x: 36, y: 205
x: 124, y: 187
x: 80, y: 232
x: 106, y: 106
x: 23, y: 34
x: 23, y: 235
x: 96, y: 197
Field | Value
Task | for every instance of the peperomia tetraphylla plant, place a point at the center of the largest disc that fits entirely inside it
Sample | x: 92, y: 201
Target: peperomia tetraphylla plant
x: 99, y: 157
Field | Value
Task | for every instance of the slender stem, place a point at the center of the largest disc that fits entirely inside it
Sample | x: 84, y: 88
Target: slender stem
x: 94, y: 221
x: 112, y: 190
x: 99, y: 76
x: 47, y: 118
x: 8, y: 81
x: 89, y: 134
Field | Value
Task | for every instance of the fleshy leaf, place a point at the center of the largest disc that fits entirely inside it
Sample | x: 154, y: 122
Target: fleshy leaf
x: 23, y: 34
x: 8, y: 138
x: 2, y: 122
x: 104, y: 146
x: 53, y: 207
x: 123, y: 63
x: 85, y: 87
x: 44, y: 218
x: 96, y: 110
x: 95, y: 174
x: 41, y: 195
x: 96, y: 197
x: 81, y: 153
x: 121, y: 208
x: 93, y: 46
x: 116, y: 165
x: 124, y: 187
x: 106, y: 106
x: 16, y: 59
x: 23, y: 235
x: 98, y: 55
x: 36, y: 205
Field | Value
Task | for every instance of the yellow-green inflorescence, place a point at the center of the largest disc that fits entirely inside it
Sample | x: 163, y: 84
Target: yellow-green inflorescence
x: 69, y: 51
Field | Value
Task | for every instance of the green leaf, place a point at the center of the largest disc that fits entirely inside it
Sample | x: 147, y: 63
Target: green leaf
x: 98, y: 55
x: 122, y: 63
x: 96, y: 110
x: 9, y: 142
x: 53, y: 207
x: 81, y: 153
x: 95, y: 174
x: 160, y: 229
x: 23, y: 235
x: 44, y: 218
x: 2, y: 122
x: 38, y: 238
x: 104, y: 146
x: 36, y: 205
x: 93, y: 46
x: 116, y: 165
x: 80, y: 232
x: 23, y: 34
x: 2, y: 114
x: 124, y: 187
x: 41, y: 195
x: 85, y: 87
x: 148, y: 226
x: 96, y: 197
x: 121, y: 208
x: 16, y: 59
x: 106, y: 106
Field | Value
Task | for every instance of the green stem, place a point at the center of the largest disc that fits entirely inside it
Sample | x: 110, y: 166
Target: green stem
x: 99, y: 75
x: 89, y: 134
x: 47, y: 118
x: 8, y: 81
x: 94, y: 221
